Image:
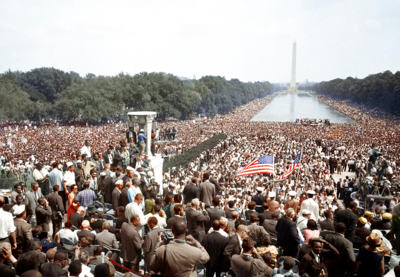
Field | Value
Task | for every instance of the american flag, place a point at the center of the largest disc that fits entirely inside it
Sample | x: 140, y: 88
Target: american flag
x: 261, y: 165
x: 294, y: 165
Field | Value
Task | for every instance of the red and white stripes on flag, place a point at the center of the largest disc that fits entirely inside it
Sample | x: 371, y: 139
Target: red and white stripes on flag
x: 261, y: 165
x: 294, y: 165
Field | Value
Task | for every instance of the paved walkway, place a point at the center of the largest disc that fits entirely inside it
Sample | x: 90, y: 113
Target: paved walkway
x: 343, y: 175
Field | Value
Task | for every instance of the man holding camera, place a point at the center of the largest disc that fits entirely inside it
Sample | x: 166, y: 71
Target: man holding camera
x: 180, y: 256
x: 196, y: 219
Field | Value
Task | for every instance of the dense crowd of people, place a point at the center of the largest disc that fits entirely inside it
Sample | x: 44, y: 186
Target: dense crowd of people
x: 94, y: 192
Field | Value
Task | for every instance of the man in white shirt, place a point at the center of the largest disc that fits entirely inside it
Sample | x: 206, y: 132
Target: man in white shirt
x: 311, y: 205
x: 86, y: 149
x: 301, y: 222
x: 134, y: 208
x: 41, y: 176
x: 69, y: 177
x: 7, y: 228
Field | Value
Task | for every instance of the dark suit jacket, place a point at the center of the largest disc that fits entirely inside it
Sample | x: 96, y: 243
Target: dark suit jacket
x: 23, y: 233
x: 249, y: 213
x: 109, y: 186
x: 309, y: 257
x: 116, y: 195
x: 124, y: 200
x: 345, y: 259
x: 233, y: 248
x: 327, y: 224
x: 133, y: 135
x: 263, y: 216
x: 42, y: 217
x: 76, y: 219
x: 215, y: 214
x: 117, y: 159
x: 288, y: 237
x: 120, y: 220
x: 381, y: 225
x: 216, y: 184
x: 83, y: 233
x: 51, y: 269
x: 196, y: 223
x: 106, y: 159
x: 215, y: 244
x: 56, y: 204
x: 349, y: 219
x: 190, y: 192
x: 362, y: 232
x: 97, y: 225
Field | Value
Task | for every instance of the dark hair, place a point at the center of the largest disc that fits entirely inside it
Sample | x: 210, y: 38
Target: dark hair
x: 267, y: 257
x: 327, y: 213
x: 240, y: 222
x: 27, y: 261
x: 248, y: 244
x: 168, y: 198
x: 36, y: 230
x: 86, y: 185
x: 69, y: 224
x: 252, y: 205
x: 231, y: 204
x: 266, y: 239
x: 177, y: 198
x: 157, y: 208
x: 216, y: 225
x: 61, y: 255
x: 56, y: 187
x: 102, y: 270
x: 35, y: 245
x: 17, y: 185
x: 75, y: 267
x: 153, y: 220
x: 98, y: 250
x: 121, y: 209
x: 397, y: 270
x: 177, y: 208
x: 100, y: 215
x: 206, y: 175
x: 275, y: 215
x: 340, y: 227
x: 215, y: 201
x: 265, y: 205
x: 352, y: 205
x: 312, y: 225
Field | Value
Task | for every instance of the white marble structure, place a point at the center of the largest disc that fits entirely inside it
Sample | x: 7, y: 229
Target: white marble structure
x: 293, y: 79
x: 145, y: 122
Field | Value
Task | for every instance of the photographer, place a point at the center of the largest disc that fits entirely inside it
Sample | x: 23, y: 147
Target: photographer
x: 180, y: 256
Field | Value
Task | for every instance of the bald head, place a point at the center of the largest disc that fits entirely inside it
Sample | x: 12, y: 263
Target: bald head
x: 235, y: 215
x: 273, y: 206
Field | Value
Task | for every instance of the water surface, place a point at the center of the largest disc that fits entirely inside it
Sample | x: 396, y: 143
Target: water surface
x: 289, y: 107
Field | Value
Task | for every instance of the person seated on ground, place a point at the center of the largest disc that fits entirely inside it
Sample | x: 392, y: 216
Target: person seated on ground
x: 27, y: 261
x: 312, y: 230
x: 267, y: 247
x: 85, y: 231
x: 36, y: 231
x: 7, y: 260
x: 38, y: 247
x: 67, y: 233
x: 286, y: 267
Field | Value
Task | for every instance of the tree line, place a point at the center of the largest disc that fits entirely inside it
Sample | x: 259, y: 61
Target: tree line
x: 380, y: 90
x: 49, y: 93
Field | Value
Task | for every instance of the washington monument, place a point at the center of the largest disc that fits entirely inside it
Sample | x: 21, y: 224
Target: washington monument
x: 293, y: 79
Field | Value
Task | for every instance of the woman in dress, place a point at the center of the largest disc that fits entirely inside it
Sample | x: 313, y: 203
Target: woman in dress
x: 72, y: 206
x: 312, y: 230
x: 267, y: 246
x: 369, y: 261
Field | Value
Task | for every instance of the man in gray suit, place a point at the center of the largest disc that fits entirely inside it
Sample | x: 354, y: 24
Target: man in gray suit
x: 43, y: 211
x: 215, y: 213
x: 23, y: 231
x: 270, y: 224
x: 196, y: 220
x: 244, y: 264
x: 207, y: 190
x: 32, y: 198
x: 107, y: 239
x: 57, y: 208
x: 338, y: 264
x: 132, y: 243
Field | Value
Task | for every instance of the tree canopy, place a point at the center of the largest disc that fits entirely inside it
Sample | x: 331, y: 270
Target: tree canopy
x: 52, y: 93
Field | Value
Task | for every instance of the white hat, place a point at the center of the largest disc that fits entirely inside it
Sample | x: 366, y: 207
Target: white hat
x: 305, y: 211
x: 171, y: 184
x: 17, y: 210
x: 103, y: 174
x: 149, y: 173
x: 78, y: 161
x: 370, y: 178
x: 259, y: 188
x: 85, y: 224
x: 310, y: 192
x: 292, y: 193
x: 69, y: 164
x: 129, y: 168
x: 137, y: 174
x: 142, y: 173
x: 119, y: 182
x: 271, y: 194
x: 141, y: 130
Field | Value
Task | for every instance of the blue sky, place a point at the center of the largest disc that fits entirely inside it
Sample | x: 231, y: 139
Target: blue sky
x: 249, y: 40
